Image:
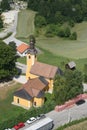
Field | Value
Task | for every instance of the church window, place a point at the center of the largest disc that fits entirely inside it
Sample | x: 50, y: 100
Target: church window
x: 29, y: 57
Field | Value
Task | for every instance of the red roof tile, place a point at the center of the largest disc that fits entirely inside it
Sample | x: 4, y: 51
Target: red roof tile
x: 34, y: 86
x: 45, y: 70
x: 23, y: 47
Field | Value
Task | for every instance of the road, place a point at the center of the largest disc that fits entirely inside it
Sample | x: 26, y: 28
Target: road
x: 66, y: 116
x: 11, y: 28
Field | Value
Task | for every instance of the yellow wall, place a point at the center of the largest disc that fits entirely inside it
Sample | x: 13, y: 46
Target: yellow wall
x: 27, y: 104
x: 30, y: 61
x: 50, y: 84
x: 39, y: 101
x: 22, y: 102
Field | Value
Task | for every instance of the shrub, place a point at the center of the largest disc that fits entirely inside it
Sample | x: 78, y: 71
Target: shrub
x: 73, y: 36
x: 40, y: 21
x: 71, y: 23
x: 85, y: 78
x: 61, y: 32
x: 67, y: 32
x: 50, y: 31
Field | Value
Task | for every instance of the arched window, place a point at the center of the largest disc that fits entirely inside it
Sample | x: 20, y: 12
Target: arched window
x: 18, y: 100
x: 29, y: 57
x: 34, y: 103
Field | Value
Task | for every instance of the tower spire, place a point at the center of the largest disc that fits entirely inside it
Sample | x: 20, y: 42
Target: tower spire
x: 32, y: 49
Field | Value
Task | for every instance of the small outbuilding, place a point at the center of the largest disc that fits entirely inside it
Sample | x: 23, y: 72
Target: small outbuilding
x: 71, y: 65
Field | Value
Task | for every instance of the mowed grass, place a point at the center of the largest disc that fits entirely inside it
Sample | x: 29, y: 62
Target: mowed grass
x: 7, y: 110
x: 80, y: 126
x: 25, y: 25
x: 58, y: 46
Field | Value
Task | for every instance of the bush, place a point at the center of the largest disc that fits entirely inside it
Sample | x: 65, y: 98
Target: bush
x: 67, y: 32
x: 40, y: 21
x: 71, y: 23
x: 85, y: 78
x: 61, y: 32
x: 73, y: 36
x: 50, y: 31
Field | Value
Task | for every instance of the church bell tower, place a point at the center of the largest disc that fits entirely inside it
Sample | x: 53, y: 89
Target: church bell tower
x: 31, y: 56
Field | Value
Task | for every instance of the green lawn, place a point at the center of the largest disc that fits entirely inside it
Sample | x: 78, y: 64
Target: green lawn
x: 79, y: 126
x: 7, y: 110
x: 25, y: 25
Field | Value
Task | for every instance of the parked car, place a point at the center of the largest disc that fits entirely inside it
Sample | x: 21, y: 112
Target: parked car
x: 40, y: 116
x: 19, y: 125
x: 8, y: 129
x: 31, y: 120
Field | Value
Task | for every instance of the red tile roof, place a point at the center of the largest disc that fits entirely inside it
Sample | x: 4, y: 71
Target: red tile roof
x: 45, y: 70
x: 23, y: 47
x: 34, y: 86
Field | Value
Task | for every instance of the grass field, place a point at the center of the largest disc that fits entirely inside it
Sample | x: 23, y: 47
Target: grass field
x: 8, y: 110
x: 80, y: 126
x: 25, y: 25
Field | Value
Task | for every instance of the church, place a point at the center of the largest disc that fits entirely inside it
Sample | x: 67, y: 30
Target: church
x: 40, y: 79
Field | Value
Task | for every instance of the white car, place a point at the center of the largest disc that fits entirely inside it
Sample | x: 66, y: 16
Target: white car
x: 31, y: 120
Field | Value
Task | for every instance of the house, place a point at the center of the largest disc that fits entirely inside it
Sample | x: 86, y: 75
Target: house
x: 71, y: 65
x: 40, y: 79
x: 22, y: 49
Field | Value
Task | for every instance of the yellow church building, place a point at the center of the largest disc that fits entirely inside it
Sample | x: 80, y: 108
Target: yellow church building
x: 40, y: 78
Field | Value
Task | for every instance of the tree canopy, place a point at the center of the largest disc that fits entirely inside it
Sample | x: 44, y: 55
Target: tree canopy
x: 57, y: 11
x: 68, y: 86
x: 5, y: 5
x: 7, y: 61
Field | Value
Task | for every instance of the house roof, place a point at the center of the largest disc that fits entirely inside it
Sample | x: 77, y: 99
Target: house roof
x: 33, y: 88
x: 71, y: 64
x: 23, y: 94
x: 45, y: 70
x: 22, y: 48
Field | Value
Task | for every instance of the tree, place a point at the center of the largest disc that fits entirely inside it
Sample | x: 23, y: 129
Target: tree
x: 85, y: 73
x: 73, y: 83
x: 40, y: 21
x: 7, y: 62
x: 12, y: 44
x: 67, y: 86
x: 1, y: 22
x: 59, y: 92
x: 5, y: 5
x: 59, y: 17
x: 71, y: 23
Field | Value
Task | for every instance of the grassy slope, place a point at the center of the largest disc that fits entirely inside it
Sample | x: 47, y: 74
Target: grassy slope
x: 25, y: 25
x: 8, y: 110
x: 80, y: 126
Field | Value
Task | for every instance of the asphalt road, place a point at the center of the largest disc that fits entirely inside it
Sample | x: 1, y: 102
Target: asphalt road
x: 66, y: 116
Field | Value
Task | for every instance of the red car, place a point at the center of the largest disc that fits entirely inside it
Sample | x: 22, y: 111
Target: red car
x: 19, y: 125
